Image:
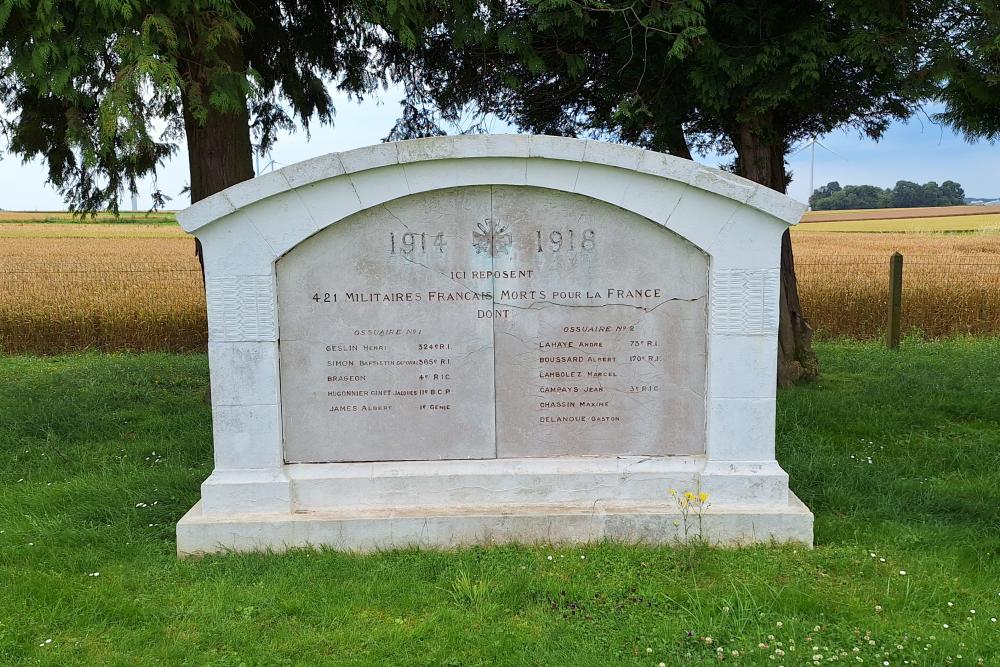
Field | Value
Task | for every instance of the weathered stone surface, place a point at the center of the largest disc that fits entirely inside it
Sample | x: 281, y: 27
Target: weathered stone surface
x: 492, y: 322
x: 449, y: 527
x: 383, y: 355
x: 600, y: 333
x: 470, y: 339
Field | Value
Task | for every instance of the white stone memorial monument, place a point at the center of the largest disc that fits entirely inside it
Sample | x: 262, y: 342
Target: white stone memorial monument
x: 482, y: 339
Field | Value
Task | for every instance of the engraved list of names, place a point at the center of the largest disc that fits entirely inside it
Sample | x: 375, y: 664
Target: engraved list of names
x: 492, y: 322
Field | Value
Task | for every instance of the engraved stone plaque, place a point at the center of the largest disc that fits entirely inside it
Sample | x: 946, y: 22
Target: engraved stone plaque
x: 601, y: 348
x: 492, y: 322
x: 484, y: 339
x: 383, y: 356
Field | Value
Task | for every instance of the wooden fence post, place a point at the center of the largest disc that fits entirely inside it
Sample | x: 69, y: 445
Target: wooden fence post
x: 895, y: 299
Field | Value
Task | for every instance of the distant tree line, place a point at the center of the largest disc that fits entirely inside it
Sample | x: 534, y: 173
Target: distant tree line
x: 906, y: 194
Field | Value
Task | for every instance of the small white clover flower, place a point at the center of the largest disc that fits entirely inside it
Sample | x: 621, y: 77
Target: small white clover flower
x: 902, y: 573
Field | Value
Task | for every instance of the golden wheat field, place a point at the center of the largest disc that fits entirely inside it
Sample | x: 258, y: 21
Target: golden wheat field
x: 68, y: 285
x: 951, y: 282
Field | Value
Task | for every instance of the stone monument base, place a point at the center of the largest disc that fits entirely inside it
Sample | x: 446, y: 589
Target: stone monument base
x: 443, y: 504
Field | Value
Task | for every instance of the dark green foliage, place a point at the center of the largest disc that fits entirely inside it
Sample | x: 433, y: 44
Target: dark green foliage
x: 734, y: 75
x: 906, y: 194
x: 99, y: 90
x: 851, y: 196
x: 969, y: 61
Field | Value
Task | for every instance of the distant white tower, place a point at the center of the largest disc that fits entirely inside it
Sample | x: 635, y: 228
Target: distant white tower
x: 811, y: 144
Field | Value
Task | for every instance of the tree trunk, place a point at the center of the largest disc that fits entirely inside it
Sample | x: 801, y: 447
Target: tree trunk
x: 219, y: 150
x: 762, y: 159
x: 673, y: 140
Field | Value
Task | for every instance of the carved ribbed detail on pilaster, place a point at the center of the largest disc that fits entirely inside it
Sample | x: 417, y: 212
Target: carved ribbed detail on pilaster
x: 745, y: 301
x: 241, y: 308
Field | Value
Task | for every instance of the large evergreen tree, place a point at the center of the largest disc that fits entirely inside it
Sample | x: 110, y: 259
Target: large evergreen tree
x: 969, y: 61
x: 103, y: 91
x: 747, y: 77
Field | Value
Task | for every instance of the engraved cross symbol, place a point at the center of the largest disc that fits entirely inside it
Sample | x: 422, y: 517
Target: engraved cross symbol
x: 491, y: 236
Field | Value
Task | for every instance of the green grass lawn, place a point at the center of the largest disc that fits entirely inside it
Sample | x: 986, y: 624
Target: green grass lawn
x: 898, y: 454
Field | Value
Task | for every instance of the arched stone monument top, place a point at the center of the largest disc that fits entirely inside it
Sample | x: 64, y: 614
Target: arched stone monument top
x: 560, y: 162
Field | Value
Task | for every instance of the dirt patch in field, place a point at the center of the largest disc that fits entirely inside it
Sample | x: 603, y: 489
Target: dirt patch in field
x: 897, y: 213
x: 59, y: 230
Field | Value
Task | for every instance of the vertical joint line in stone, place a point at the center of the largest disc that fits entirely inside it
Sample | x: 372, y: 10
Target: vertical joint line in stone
x: 493, y: 332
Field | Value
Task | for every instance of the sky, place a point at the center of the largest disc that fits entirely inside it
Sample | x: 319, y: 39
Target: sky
x: 917, y: 150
